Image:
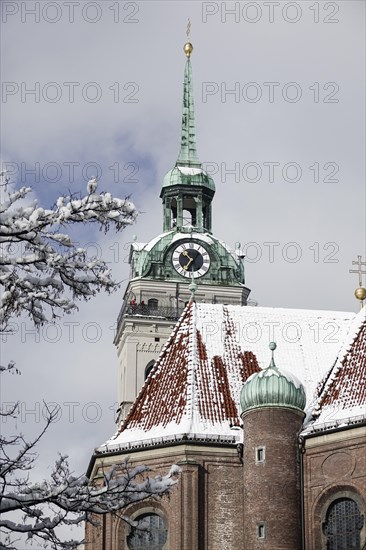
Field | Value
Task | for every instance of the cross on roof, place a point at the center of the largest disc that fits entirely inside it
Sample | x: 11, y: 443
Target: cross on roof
x: 360, y: 271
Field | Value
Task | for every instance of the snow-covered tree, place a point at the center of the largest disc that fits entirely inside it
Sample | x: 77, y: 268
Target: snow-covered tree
x: 43, y: 271
x: 64, y: 499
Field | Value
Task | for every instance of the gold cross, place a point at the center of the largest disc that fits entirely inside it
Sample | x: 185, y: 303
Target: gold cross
x: 360, y: 271
x: 188, y: 28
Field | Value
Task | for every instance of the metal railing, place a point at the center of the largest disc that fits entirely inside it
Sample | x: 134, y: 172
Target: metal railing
x: 167, y: 312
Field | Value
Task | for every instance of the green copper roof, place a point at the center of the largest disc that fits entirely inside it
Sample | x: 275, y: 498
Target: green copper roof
x: 187, y: 176
x: 188, y: 150
x: 154, y: 261
x: 272, y: 388
x: 188, y: 169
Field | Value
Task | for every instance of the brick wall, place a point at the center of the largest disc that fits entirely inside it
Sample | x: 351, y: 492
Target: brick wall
x: 334, y: 467
x: 272, y: 487
x: 205, y: 510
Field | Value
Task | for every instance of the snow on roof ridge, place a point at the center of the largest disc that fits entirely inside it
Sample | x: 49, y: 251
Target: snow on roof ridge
x: 192, y: 362
x: 176, y: 330
x: 190, y: 171
x: 319, y: 408
x: 198, y: 413
x: 276, y: 309
x: 350, y: 339
x: 195, y: 384
x: 353, y: 332
x: 336, y: 422
x: 234, y: 438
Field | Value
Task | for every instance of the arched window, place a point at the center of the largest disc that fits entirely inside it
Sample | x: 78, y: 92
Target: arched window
x: 154, y: 535
x: 152, y: 303
x: 343, y: 525
x: 148, y: 368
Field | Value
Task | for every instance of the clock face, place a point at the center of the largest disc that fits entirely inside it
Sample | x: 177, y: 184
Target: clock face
x: 191, y: 259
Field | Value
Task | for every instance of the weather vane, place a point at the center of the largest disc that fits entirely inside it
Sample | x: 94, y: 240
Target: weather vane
x: 360, y: 292
x: 188, y: 48
x: 188, y: 28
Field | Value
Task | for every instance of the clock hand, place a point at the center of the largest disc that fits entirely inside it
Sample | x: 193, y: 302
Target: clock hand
x: 185, y: 253
x: 190, y: 261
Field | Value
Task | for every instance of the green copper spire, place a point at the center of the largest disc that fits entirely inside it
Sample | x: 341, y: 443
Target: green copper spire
x: 187, y: 189
x: 188, y: 150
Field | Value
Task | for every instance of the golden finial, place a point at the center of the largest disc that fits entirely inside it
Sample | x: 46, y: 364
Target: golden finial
x: 360, y: 292
x: 188, y: 48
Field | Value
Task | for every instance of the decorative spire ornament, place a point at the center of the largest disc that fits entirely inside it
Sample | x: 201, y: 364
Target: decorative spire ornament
x: 272, y: 346
x: 188, y: 149
x: 188, y: 48
x: 360, y: 292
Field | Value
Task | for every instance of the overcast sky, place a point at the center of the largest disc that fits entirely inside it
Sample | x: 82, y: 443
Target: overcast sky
x: 279, y: 95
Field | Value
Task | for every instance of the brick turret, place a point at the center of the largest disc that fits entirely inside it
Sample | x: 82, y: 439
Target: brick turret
x: 272, y: 403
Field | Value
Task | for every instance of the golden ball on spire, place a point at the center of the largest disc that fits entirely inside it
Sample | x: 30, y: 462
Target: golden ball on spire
x: 188, y: 49
x: 360, y: 293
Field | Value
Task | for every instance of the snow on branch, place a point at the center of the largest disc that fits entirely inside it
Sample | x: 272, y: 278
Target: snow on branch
x: 43, y: 272
x: 65, y: 499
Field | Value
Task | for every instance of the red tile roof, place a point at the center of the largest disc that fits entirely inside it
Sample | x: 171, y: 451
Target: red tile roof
x: 348, y: 387
x: 342, y: 394
x: 194, y: 387
x: 176, y: 386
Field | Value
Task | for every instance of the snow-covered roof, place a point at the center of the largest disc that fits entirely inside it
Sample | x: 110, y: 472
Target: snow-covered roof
x: 341, y: 396
x: 189, y: 171
x: 177, y: 236
x: 138, y: 246
x: 193, y: 390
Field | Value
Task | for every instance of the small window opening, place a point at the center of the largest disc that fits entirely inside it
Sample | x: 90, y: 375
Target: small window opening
x: 261, y: 531
x: 149, y: 368
x: 260, y: 454
x: 157, y: 339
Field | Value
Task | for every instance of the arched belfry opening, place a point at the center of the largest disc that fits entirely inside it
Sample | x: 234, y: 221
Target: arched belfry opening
x: 187, y: 207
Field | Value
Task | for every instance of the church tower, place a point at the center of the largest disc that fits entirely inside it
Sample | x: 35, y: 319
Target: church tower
x: 162, y: 269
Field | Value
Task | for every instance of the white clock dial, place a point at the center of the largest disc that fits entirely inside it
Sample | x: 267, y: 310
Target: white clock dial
x: 191, y: 259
